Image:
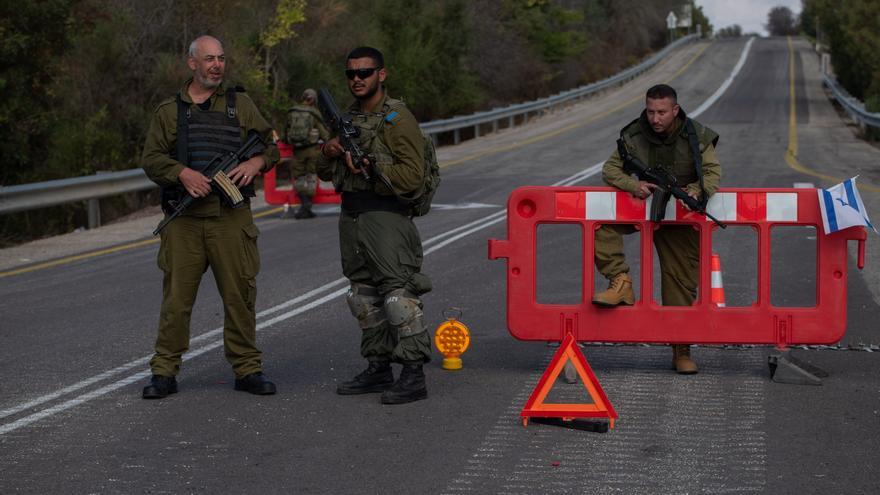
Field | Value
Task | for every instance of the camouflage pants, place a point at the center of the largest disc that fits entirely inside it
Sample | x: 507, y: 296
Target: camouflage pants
x: 383, y: 250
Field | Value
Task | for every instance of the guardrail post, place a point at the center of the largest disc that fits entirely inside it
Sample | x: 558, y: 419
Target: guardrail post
x: 456, y: 136
x: 494, y: 126
x: 94, y: 213
x: 510, y: 122
x: 95, y: 208
x: 476, y: 131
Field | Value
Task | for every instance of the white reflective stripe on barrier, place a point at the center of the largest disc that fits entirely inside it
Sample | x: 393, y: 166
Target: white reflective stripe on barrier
x: 725, y: 206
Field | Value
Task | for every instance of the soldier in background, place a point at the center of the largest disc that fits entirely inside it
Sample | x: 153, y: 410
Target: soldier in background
x: 305, y: 131
x: 214, y: 118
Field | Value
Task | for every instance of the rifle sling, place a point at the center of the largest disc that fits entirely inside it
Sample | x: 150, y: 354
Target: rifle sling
x: 694, y: 141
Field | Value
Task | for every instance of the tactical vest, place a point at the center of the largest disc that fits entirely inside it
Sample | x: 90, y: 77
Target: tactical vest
x: 369, y: 125
x: 377, y: 194
x: 676, y: 156
x: 202, y: 135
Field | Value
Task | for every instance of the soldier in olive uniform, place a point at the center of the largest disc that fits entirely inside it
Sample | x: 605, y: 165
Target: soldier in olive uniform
x: 663, y: 136
x: 305, y: 130
x: 380, y: 245
x: 204, y: 119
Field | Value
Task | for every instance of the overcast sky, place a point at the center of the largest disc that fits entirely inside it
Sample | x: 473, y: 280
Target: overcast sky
x: 750, y: 14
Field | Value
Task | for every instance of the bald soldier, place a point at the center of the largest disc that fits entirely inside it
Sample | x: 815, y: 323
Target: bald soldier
x: 663, y: 136
x: 205, y: 119
x: 380, y: 245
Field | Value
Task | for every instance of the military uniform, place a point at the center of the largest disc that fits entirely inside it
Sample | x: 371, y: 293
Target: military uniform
x: 209, y: 233
x: 303, y: 165
x: 677, y: 245
x: 380, y: 245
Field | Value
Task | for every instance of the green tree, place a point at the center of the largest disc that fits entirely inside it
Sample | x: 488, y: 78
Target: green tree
x: 33, y: 35
x: 700, y: 19
x: 781, y: 21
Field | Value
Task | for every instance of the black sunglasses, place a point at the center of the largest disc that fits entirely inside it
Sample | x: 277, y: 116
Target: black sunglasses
x: 360, y: 73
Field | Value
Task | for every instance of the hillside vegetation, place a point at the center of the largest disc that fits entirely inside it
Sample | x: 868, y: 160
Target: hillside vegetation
x: 80, y: 78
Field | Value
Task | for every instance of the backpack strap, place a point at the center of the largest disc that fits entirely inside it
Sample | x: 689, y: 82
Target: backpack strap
x: 697, y: 155
x: 183, y: 112
x: 230, y: 101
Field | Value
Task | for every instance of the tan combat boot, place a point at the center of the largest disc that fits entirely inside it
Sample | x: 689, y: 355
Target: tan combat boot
x: 620, y: 291
x: 681, y: 360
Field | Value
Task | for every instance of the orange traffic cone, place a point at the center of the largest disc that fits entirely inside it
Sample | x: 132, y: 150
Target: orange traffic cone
x: 717, y: 294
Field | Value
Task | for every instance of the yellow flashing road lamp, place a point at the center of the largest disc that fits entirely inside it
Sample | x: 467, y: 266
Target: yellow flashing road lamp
x: 452, y: 339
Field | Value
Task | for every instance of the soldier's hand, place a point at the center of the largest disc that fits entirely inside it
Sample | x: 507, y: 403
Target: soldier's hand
x: 350, y: 164
x: 645, y: 189
x: 691, y: 194
x: 332, y: 148
x: 195, y: 183
x: 245, y: 172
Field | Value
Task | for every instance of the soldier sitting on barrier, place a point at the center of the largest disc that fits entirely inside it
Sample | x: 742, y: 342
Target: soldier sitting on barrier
x: 663, y: 137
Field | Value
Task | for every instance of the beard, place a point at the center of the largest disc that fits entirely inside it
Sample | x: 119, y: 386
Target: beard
x: 208, y: 83
x: 371, y: 90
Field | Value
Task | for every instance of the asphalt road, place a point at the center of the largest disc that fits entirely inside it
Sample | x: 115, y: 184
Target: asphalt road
x: 76, y: 337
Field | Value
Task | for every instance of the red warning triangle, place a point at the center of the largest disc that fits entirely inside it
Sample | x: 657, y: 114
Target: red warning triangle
x: 600, y: 408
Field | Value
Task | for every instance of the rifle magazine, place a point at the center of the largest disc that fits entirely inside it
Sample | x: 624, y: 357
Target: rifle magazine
x: 229, y: 190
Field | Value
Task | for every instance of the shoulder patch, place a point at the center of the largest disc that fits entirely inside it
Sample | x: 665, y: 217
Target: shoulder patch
x: 393, y: 117
x: 163, y: 103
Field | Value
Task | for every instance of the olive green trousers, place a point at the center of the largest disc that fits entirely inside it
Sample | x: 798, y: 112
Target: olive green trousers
x: 228, y: 245
x: 678, y: 247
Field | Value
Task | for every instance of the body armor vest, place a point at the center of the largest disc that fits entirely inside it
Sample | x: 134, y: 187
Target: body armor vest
x: 678, y: 156
x: 202, y: 135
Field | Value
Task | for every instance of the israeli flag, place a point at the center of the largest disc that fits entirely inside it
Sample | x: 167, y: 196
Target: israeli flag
x: 842, y: 207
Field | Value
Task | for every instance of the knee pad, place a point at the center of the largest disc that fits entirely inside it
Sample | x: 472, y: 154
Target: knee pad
x: 365, y: 304
x: 404, y: 312
x: 306, y: 184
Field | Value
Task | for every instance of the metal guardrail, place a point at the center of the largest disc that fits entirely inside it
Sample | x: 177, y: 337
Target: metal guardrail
x: 854, y: 107
x: 509, y: 113
x: 91, y: 188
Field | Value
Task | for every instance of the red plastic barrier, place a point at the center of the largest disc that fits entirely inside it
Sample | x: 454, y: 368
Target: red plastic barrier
x: 648, y: 321
x: 274, y: 196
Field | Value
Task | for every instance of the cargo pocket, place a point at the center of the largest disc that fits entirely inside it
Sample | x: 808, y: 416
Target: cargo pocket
x: 251, y: 253
x: 162, y: 256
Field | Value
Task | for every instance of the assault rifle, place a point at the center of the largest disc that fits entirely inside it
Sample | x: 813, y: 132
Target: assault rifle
x: 342, y: 126
x: 216, y: 171
x: 667, y: 184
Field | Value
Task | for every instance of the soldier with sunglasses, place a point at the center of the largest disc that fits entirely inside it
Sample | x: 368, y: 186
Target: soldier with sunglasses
x: 380, y: 245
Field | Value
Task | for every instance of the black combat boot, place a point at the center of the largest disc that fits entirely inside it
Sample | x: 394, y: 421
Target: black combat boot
x: 256, y: 384
x: 410, y: 387
x: 376, y: 378
x: 160, y: 387
x: 307, y: 204
x: 305, y: 209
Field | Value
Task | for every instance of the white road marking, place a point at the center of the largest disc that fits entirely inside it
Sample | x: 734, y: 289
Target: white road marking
x: 450, y: 237
x: 461, y: 206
